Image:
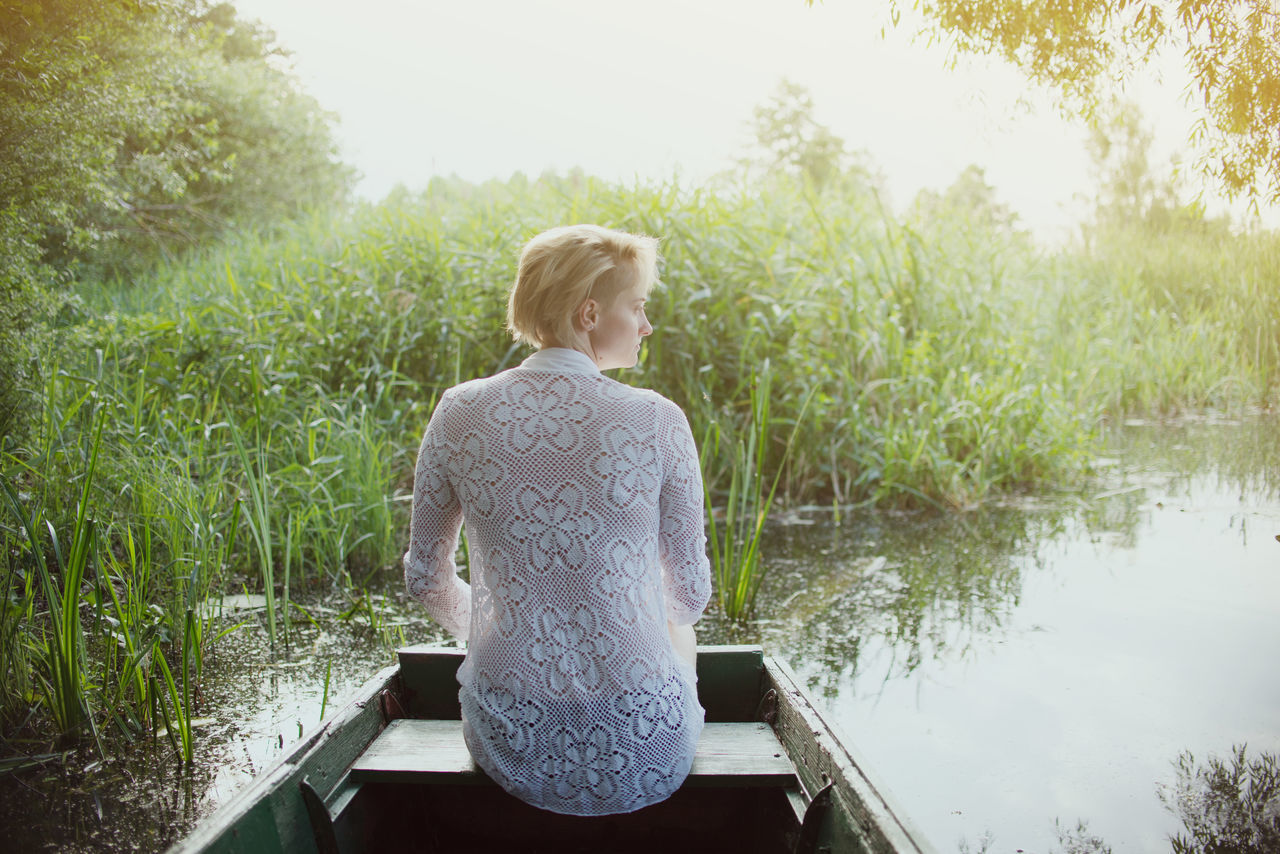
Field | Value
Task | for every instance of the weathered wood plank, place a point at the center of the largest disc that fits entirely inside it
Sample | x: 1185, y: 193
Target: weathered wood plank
x: 429, y: 679
x: 729, y: 681
x: 421, y: 751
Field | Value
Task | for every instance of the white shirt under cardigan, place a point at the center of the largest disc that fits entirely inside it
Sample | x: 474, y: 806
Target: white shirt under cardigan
x: 583, y: 503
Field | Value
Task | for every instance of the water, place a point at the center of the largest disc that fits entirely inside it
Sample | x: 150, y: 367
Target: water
x: 1001, y: 670
x: 257, y: 703
x: 1006, y: 670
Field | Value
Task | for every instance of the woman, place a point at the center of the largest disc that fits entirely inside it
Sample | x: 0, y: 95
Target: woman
x: 582, y: 499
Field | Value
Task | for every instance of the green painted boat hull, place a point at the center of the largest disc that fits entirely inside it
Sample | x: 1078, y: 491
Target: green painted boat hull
x: 836, y: 804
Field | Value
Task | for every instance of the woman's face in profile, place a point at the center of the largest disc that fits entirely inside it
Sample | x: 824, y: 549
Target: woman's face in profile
x: 620, y: 327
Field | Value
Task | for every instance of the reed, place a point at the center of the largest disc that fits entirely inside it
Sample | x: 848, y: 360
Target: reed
x: 324, y: 698
x: 133, y: 627
x: 735, y: 546
x: 59, y: 652
x: 175, y: 702
x: 259, y: 515
x: 17, y: 614
x: 258, y: 405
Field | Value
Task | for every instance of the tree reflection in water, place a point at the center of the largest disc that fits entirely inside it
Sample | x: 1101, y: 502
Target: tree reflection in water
x: 1231, y: 806
x: 920, y: 584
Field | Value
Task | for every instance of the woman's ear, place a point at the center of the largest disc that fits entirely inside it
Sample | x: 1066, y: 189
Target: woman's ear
x: 588, y: 313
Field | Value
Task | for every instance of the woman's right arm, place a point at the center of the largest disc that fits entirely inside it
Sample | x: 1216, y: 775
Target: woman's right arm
x: 430, y: 573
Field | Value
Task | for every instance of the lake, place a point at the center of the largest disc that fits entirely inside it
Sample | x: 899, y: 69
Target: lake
x: 1048, y: 661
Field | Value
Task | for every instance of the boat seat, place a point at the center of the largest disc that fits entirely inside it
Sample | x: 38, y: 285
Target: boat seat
x: 737, y: 754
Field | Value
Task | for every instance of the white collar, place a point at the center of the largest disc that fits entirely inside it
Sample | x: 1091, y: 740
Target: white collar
x: 561, y: 360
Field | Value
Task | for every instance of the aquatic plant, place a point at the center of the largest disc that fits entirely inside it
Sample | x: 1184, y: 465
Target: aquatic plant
x: 175, y: 702
x: 259, y: 516
x: 1226, y: 805
x: 735, y: 546
x: 58, y: 653
x: 324, y: 698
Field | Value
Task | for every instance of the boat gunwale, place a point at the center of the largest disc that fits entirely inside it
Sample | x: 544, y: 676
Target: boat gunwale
x: 878, y: 821
x: 229, y: 815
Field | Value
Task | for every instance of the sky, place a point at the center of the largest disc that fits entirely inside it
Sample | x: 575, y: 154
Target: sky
x: 485, y: 88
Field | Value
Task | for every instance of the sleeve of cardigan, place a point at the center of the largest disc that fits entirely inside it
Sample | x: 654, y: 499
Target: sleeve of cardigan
x: 430, y: 572
x: 682, y: 539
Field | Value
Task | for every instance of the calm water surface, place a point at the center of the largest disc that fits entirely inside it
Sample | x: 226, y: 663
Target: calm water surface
x: 1007, y: 669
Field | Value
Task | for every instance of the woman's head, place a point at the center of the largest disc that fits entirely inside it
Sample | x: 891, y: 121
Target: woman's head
x: 568, y: 270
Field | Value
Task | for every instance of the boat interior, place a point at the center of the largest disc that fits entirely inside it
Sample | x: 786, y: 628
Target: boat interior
x: 415, y: 788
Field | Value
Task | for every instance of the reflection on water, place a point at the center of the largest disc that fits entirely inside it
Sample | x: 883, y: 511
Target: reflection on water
x: 1050, y: 661
x: 918, y: 585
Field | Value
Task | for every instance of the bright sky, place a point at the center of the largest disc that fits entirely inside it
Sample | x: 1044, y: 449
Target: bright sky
x: 485, y: 88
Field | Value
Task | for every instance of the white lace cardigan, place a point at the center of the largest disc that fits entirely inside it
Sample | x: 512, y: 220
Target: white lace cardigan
x: 582, y: 499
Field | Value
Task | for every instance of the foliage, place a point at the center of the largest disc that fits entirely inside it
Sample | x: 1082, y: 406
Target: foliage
x: 83, y: 624
x: 937, y: 359
x: 1179, y: 262
x: 1231, y: 806
x: 1088, y: 49
x: 130, y: 131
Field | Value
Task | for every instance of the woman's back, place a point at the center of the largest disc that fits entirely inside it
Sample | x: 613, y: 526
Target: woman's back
x: 582, y: 502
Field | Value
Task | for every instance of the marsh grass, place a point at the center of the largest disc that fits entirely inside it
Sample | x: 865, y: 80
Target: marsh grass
x: 735, y: 545
x: 176, y: 702
x: 58, y: 651
x: 261, y: 525
x: 259, y: 405
x: 84, y: 634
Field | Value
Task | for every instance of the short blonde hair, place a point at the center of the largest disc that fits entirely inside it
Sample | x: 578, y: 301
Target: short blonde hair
x: 562, y: 267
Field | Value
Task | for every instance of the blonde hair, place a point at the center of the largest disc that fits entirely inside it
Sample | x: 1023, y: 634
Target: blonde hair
x: 563, y: 267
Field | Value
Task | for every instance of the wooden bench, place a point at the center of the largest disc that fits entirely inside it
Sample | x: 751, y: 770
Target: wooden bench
x: 738, y: 754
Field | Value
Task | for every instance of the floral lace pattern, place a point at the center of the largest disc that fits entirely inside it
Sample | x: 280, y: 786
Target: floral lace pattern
x: 627, y: 465
x: 553, y: 528
x: 583, y: 503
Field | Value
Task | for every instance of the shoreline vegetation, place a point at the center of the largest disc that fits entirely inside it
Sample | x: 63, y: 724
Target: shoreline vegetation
x: 245, y: 419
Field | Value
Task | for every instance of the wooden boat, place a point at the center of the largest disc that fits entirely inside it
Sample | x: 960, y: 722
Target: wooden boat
x: 390, y: 773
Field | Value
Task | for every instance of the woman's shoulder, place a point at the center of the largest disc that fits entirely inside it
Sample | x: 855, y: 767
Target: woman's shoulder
x: 620, y: 390
x: 663, y: 407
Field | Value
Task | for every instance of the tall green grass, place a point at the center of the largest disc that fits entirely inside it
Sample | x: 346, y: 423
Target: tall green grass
x: 735, y: 542
x: 934, y: 359
x: 98, y: 584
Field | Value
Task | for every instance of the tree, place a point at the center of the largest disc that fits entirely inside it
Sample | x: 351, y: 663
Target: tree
x: 970, y: 200
x: 1134, y: 195
x: 792, y: 140
x: 131, y: 130
x: 789, y: 140
x: 1129, y: 191
x: 1087, y: 49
